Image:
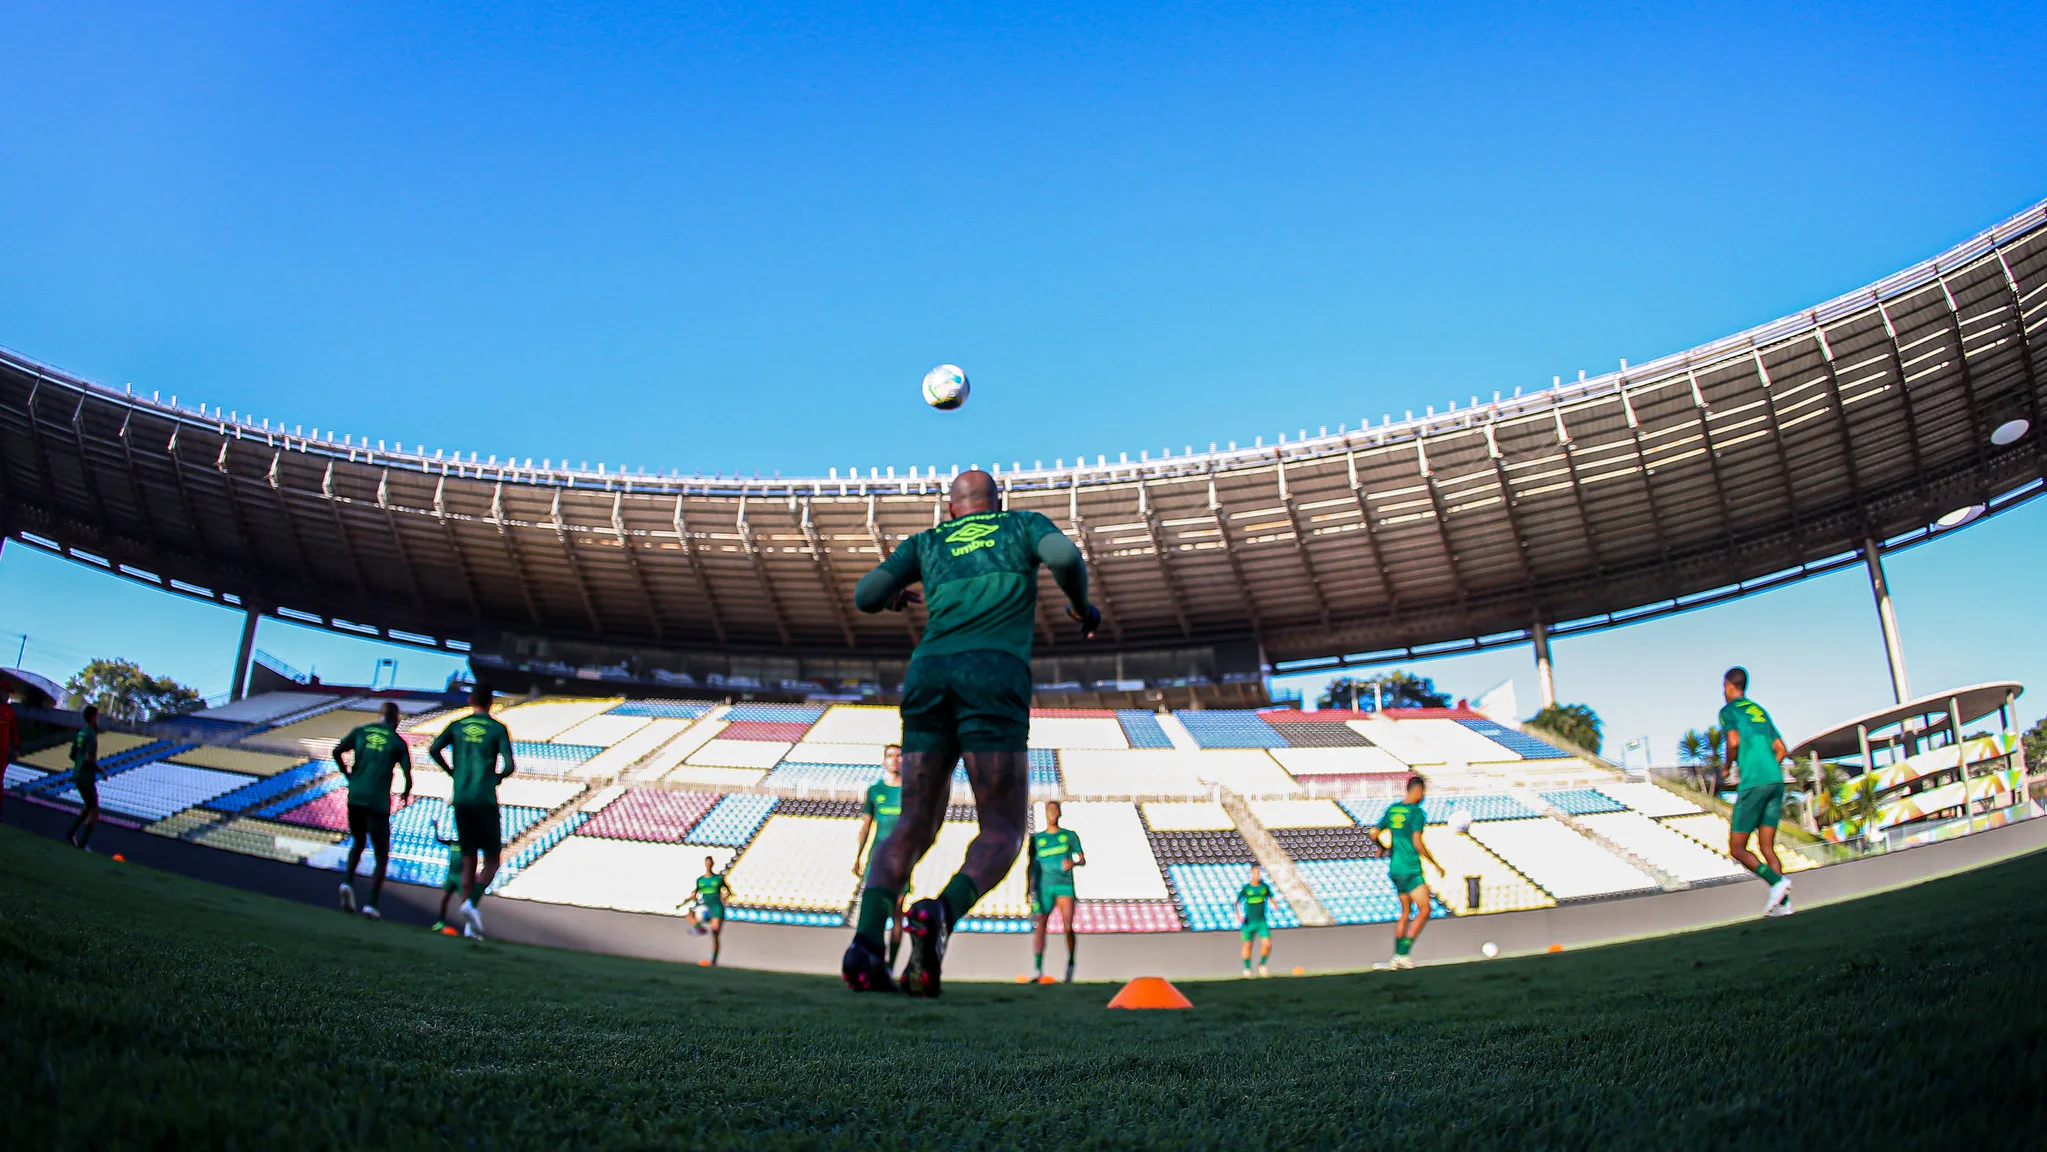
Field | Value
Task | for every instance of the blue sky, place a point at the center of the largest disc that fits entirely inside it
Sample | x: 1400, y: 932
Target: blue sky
x: 732, y: 239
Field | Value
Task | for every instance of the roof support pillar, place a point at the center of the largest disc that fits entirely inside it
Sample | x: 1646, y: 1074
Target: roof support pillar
x: 240, y: 687
x: 1887, y: 618
x: 1545, y: 672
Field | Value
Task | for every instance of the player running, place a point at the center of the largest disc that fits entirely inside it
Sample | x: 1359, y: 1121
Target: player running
x: 1255, y: 897
x: 709, y: 913
x: 1055, y: 853
x: 377, y: 749
x: 85, y: 776
x: 1758, y: 753
x: 967, y: 690
x: 452, y: 882
x: 879, y: 812
x: 479, y: 742
x: 1403, y: 823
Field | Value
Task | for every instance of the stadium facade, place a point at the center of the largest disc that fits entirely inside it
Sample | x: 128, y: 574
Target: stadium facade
x: 1818, y: 441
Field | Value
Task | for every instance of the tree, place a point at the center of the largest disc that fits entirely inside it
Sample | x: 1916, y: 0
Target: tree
x: 1700, y: 750
x: 2035, y: 741
x: 1575, y: 724
x: 1396, y: 689
x: 126, y: 693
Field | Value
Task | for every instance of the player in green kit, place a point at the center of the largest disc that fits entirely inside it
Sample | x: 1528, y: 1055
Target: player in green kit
x: 1055, y: 853
x: 85, y: 776
x: 709, y: 913
x: 1403, y: 824
x: 480, y: 742
x: 377, y: 748
x: 1758, y: 753
x: 967, y: 691
x: 1255, y: 897
x: 879, y: 812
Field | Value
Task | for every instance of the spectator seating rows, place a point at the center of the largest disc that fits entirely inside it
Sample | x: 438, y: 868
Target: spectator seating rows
x: 1120, y: 864
x: 660, y: 709
x: 1710, y: 830
x: 1355, y: 891
x: 1438, y: 808
x: 1230, y: 729
x: 1208, y: 895
x: 241, y: 760
x: 1565, y: 864
x: 1104, y: 916
x: 1649, y: 799
x: 1186, y: 816
x: 629, y: 875
x: 1300, y: 814
x: 1666, y: 850
x: 1583, y: 801
x: 1141, y: 729
x: 1521, y: 745
x: 1318, y: 733
x: 265, y: 790
x: 157, y: 789
x: 733, y: 820
x: 1501, y: 888
x: 799, y: 862
x: 647, y: 814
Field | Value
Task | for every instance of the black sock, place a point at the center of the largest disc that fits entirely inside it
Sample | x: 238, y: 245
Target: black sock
x: 87, y: 834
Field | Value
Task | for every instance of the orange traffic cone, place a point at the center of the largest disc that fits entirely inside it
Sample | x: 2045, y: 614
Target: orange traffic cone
x: 1150, y: 992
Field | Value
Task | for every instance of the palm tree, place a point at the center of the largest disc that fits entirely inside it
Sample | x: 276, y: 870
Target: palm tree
x: 1701, y: 752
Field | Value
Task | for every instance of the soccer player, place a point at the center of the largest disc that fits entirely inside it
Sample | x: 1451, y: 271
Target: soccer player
x: 1055, y: 853
x: 967, y: 690
x: 10, y: 737
x: 479, y: 743
x: 85, y: 776
x: 452, y: 883
x: 884, y: 804
x: 1403, y: 823
x: 1255, y: 897
x: 709, y: 914
x: 1758, y: 753
x: 377, y: 749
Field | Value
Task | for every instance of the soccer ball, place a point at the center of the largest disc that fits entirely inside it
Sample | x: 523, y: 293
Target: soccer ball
x: 1490, y: 949
x: 945, y: 387
x: 1460, y: 821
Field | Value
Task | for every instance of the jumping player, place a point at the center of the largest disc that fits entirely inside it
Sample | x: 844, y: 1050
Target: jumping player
x: 1403, y: 823
x: 479, y: 742
x: 967, y: 690
x: 1255, y: 897
x: 1758, y: 753
x: 1055, y: 853
x: 709, y: 913
x: 884, y: 804
x: 377, y: 748
x: 85, y: 776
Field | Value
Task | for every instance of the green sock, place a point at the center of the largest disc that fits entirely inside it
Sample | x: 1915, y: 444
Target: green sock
x: 1247, y: 963
x: 1403, y: 945
x: 1038, y: 961
x: 1768, y: 873
x: 958, y: 897
x: 875, y: 906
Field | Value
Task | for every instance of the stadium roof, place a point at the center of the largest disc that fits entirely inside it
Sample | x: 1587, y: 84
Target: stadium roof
x: 1757, y: 459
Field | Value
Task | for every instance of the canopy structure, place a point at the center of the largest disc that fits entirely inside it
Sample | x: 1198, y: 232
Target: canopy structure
x: 1761, y: 458
x: 1954, y: 707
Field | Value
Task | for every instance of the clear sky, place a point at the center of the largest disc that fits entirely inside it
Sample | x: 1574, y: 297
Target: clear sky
x: 732, y: 239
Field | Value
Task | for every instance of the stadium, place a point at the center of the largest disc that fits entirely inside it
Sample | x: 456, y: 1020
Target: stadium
x: 687, y: 676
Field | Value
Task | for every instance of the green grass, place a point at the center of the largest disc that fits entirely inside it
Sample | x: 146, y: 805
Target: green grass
x: 141, y: 1008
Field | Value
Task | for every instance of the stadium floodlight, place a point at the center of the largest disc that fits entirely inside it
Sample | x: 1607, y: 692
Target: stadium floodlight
x: 1960, y: 516
x: 2011, y: 431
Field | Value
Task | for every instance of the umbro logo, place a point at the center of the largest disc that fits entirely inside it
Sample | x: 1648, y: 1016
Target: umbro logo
x: 968, y: 533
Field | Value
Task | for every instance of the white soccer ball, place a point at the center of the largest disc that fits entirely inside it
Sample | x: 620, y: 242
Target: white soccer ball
x: 945, y: 387
x: 1490, y: 949
x: 1460, y: 821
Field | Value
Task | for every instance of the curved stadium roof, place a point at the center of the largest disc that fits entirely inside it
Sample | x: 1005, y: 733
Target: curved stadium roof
x: 1760, y: 458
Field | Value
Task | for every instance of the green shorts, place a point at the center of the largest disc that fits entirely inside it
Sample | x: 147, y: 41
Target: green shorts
x: 454, y: 881
x: 709, y: 912
x: 969, y: 701
x: 1757, y: 808
x: 1049, y: 894
x: 1257, y: 928
x: 1405, y: 881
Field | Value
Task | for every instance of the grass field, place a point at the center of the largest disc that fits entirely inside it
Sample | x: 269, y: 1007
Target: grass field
x: 142, y: 1008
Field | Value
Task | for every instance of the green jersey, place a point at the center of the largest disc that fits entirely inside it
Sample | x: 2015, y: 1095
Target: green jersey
x: 1050, y: 852
x: 1403, y: 820
x: 1755, y: 748
x: 980, y: 575
x: 479, y: 743
x: 884, y: 805
x: 85, y: 752
x: 378, y: 752
x: 1255, y: 898
x: 711, y: 892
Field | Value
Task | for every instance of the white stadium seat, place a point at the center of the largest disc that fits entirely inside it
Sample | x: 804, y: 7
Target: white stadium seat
x: 1120, y: 864
x: 629, y: 875
x: 1065, y: 732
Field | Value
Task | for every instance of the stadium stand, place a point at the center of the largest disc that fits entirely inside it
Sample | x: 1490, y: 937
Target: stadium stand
x: 267, y: 707
x: 1070, y: 730
x: 238, y: 760
x: 1501, y: 888
x: 1102, y: 916
x: 1208, y: 896
x: 1007, y: 908
x: 1665, y: 850
x: 660, y: 710
x: 264, y: 790
x: 722, y: 753
x: 799, y: 863
x: 1223, y: 729
x: 1186, y: 816
x: 1394, y: 738
x: 551, y: 759
x: 155, y: 790
x: 1520, y: 744
x: 732, y: 821
x: 57, y: 758
x: 1354, y: 891
x: 602, y: 731
x: 645, y: 814
x: 1455, y: 742
x: 1120, y: 864
x: 1648, y: 799
x: 1565, y: 864
x: 1482, y: 806
x: 1141, y: 729
x: 546, y: 718
x: 629, y: 750
x: 1329, y: 732
x: 1276, y: 814
x: 628, y: 875
x: 1710, y: 830
x: 1583, y: 801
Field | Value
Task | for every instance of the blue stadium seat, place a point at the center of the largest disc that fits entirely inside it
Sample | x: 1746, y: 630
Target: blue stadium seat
x: 1208, y: 896
x: 1519, y: 743
x: 775, y: 713
x: 1142, y: 729
x: 734, y: 821
x: 1356, y: 891
x: 659, y: 710
x: 1482, y: 806
x: 1230, y: 730
x: 1583, y: 801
